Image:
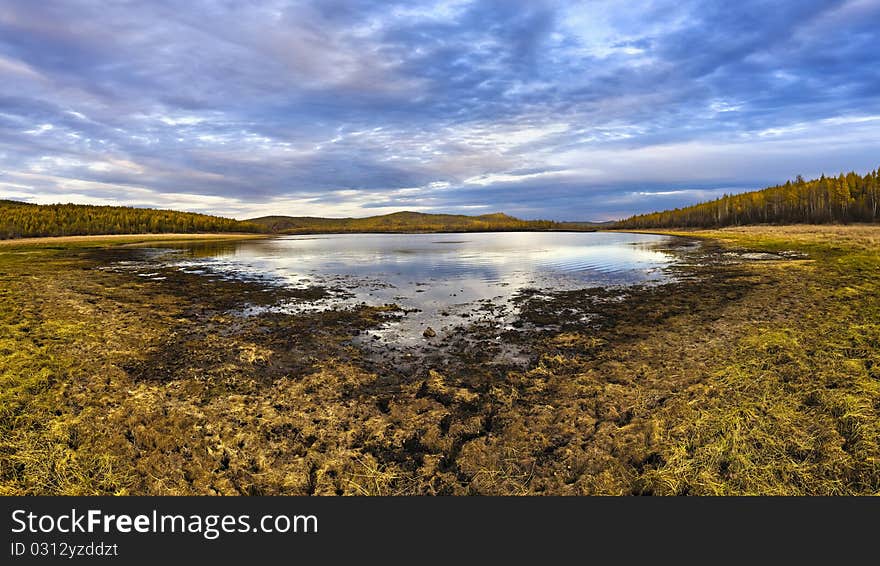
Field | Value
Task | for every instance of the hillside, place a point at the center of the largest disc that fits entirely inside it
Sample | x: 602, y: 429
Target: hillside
x: 846, y: 198
x: 24, y: 220
x: 400, y: 222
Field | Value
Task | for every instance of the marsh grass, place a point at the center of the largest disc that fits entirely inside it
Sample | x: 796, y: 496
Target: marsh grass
x: 794, y: 407
x: 758, y: 377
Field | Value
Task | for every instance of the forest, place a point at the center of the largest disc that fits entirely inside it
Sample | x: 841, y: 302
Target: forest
x: 24, y: 220
x: 403, y: 222
x: 843, y: 199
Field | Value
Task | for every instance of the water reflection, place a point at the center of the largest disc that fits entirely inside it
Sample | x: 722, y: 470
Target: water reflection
x: 441, y: 275
x: 623, y: 258
x: 201, y: 249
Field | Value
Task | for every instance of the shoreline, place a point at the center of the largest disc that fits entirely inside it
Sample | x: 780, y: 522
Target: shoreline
x: 697, y: 233
x: 133, y: 385
x: 127, y: 238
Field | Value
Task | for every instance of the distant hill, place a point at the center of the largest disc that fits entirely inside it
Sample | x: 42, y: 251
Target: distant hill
x: 846, y: 198
x: 401, y: 222
x: 25, y: 220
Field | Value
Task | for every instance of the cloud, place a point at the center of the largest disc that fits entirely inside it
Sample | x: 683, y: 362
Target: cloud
x: 554, y: 109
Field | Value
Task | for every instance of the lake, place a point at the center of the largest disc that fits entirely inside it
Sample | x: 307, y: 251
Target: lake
x: 441, y: 280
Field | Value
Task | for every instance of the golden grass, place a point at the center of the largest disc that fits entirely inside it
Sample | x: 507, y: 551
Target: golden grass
x: 751, y: 378
x: 858, y: 236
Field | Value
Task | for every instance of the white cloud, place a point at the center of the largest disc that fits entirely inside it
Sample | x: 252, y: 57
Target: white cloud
x: 41, y: 129
x: 493, y: 178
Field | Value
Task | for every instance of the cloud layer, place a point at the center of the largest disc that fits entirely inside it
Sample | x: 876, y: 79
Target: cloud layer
x: 564, y: 110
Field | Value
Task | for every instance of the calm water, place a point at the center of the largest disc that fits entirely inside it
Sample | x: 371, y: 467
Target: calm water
x: 443, y: 278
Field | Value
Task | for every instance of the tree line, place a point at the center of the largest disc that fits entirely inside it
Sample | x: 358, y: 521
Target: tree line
x: 404, y: 222
x: 24, y: 220
x: 846, y: 198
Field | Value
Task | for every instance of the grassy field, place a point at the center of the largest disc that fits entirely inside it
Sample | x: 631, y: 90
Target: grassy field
x: 785, y: 392
x: 743, y: 377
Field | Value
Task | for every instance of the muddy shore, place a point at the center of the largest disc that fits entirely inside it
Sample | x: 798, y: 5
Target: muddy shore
x: 168, y: 388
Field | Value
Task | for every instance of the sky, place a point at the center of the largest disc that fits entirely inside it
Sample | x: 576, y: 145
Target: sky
x: 560, y: 110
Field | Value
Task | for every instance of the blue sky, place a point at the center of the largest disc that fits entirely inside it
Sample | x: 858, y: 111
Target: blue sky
x: 563, y: 110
